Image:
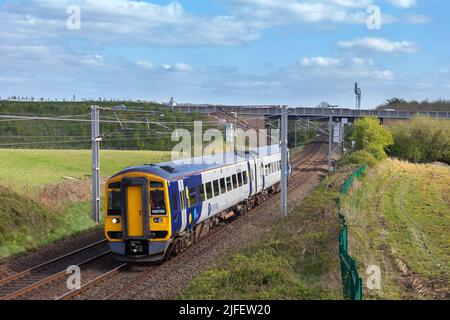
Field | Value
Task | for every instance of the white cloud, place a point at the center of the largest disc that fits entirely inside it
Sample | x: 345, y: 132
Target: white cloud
x: 122, y: 21
x: 413, y: 18
x: 39, y: 56
x: 319, y: 62
x: 273, y: 12
x: 337, y: 68
x: 404, y: 4
x: 380, y: 45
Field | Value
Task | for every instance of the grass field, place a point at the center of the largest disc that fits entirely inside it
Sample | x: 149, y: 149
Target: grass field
x: 29, y: 218
x: 399, y: 220
x: 34, y: 168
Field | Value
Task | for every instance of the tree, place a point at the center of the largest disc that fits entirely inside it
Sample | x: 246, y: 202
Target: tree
x: 395, y: 101
x: 372, y: 137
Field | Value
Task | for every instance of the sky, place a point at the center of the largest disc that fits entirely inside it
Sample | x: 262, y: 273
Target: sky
x: 246, y: 52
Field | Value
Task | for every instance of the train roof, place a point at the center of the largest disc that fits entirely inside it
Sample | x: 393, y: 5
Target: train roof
x: 173, y: 170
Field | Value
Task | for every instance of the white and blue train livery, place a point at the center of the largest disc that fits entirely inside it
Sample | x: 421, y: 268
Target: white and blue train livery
x: 153, y: 211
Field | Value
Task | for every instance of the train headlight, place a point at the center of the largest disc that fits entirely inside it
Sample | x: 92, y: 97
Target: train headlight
x: 157, y: 220
x: 116, y: 221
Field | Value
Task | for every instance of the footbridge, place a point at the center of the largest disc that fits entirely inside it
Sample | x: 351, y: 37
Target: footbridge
x: 302, y: 112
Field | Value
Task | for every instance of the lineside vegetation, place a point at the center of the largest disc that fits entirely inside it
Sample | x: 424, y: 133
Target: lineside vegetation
x: 421, y: 140
x: 371, y: 142
x: 399, y: 220
x: 296, y: 259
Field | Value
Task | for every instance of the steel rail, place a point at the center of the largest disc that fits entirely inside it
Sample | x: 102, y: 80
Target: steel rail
x: 42, y: 274
x: 76, y: 292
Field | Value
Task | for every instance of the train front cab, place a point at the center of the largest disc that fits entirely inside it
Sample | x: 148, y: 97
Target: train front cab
x: 137, y: 217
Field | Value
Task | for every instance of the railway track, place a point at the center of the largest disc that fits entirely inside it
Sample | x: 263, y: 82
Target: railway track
x: 303, y: 157
x: 34, y: 278
x: 44, y: 274
x: 294, y: 182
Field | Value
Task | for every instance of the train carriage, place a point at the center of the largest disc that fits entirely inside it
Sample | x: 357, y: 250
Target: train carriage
x: 153, y: 211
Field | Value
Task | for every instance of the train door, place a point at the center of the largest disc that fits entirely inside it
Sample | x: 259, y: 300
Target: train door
x: 250, y: 178
x: 135, y: 208
x: 183, y: 205
x: 175, y: 205
x: 263, y: 176
x: 256, y: 177
x: 193, y: 205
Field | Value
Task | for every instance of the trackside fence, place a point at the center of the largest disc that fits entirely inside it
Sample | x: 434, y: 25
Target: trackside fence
x: 351, y: 282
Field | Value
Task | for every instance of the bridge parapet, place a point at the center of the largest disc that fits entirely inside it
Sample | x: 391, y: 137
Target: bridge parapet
x: 271, y: 110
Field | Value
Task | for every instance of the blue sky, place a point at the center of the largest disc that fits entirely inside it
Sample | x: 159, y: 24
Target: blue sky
x: 291, y: 52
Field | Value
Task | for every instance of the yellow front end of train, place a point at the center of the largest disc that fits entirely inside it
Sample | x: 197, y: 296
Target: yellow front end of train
x: 137, y: 216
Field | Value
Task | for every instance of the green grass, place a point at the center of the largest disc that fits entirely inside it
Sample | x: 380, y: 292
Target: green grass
x: 27, y: 225
x: 401, y: 212
x: 26, y: 221
x: 297, y: 259
x: 31, y: 169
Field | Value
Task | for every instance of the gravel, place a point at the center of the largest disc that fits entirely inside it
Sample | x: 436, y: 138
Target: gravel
x: 11, y: 266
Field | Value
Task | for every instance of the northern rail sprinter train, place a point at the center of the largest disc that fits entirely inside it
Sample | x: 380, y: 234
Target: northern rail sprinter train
x: 157, y: 210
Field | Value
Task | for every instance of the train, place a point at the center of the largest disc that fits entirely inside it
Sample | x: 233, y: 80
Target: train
x: 155, y: 211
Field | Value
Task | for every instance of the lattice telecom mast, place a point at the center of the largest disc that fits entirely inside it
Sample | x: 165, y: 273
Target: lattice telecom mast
x: 358, y: 94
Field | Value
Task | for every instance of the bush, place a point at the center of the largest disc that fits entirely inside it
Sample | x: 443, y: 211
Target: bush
x: 372, y: 138
x: 359, y: 158
x: 422, y: 140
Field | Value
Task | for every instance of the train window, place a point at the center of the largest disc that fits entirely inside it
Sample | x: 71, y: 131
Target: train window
x: 244, y: 175
x: 114, y: 185
x: 235, y: 185
x: 209, y: 192
x: 183, y: 204
x: 156, y: 185
x: 114, y: 203
x: 223, y: 189
x: 201, y: 192
x: 157, y: 202
x: 192, y: 197
x: 240, y: 179
x: 266, y: 170
x: 174, y: 201
x: 216, y: 188
x: 229, y: 185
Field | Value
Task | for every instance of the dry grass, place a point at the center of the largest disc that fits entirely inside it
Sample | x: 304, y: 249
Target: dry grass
x: 399, y: 218
x: 60, y: 194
